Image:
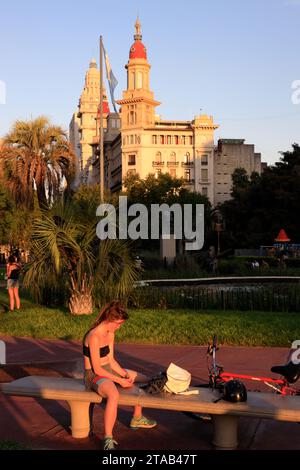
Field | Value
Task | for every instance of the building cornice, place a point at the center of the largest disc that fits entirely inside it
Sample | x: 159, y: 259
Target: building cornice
x: 138, y: 100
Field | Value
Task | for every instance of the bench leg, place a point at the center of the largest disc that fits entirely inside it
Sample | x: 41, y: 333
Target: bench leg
x: 80, y: 418
x: 225, y: 432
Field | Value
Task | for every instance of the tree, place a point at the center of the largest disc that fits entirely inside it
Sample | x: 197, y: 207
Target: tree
x: 164, y: 189
x: 66, y: 254
x: 262, y: 205
x: 36, y: 154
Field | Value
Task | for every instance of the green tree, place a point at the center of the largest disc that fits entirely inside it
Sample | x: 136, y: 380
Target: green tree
x: 66, y: 255
x: 36, y: 154
x: 262, y: 205
x: 163, y: 189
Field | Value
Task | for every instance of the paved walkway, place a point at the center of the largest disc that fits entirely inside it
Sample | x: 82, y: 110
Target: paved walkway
x: 44, y: 423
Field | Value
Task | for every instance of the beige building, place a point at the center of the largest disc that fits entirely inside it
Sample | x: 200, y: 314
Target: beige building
x: 83, y: 126
x: 229, y: 155
x: 137, y: 140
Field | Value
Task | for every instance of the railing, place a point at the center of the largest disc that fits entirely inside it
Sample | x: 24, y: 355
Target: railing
x: 159, y: 164
x: 187, y: 164
x: 189, y: 181
x: 172, y: 164
x: 264, y: 299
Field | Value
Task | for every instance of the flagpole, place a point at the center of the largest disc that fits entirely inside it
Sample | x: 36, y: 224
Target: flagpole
x: 101, y: 147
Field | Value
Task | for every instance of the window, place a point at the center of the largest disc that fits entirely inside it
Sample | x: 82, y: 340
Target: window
x: 132, y: 117
x: 169, y: 139
x: 191, y: 140
x: 157, y: 173
x: 154, y: 140
x: 183, y: 140
x: 158, y: 157
x: 131, y: 139
x: 173, y: 157
x: 204, y: 175
x: 131, y: 172
x: 186, y: 158
x: 176, y: 139
x: 173, y: 172
x: 139, y: 81
x: 205, y: 191
x: 131, y: 159
x: 162, y: 139
x: 187, y: 175
x: 204, y: 160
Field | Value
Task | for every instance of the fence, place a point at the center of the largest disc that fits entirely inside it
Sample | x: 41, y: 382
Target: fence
x: 263, y: 298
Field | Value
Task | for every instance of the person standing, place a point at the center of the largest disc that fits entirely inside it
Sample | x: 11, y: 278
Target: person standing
x: 13, y: 269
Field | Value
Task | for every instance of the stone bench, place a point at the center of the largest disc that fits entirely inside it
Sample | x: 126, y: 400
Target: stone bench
x: 224, y: 414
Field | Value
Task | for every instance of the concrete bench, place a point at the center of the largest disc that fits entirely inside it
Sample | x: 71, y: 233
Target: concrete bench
x: 224, y: 414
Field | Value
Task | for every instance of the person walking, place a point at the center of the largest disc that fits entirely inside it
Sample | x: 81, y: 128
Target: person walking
x: 13, y: 269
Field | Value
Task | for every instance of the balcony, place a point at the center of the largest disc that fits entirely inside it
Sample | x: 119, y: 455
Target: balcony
x: 158, y: 164
x: 189, y: 181
x: 172, y: 164
x: 187, y: 164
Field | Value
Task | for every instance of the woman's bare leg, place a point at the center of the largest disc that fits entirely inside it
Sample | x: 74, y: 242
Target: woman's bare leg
x: 108, y: 390
x: 11, y: 298
x: 140, y: 378
x: 16, y: 294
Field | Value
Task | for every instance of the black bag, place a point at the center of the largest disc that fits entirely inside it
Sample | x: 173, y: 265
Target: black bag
x: 156, y: 384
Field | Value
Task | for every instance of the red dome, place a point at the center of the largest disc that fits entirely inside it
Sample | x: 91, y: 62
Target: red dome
x: 138, y: 51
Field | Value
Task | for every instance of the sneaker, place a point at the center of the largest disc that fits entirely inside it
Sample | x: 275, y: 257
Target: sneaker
x: 109, y: 444
x: 142, y: 422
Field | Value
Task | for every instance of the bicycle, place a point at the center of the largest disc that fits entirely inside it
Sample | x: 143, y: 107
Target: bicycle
x: 290, y: 373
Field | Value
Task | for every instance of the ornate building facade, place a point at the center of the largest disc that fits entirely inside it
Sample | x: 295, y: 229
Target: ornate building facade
x: 137, y: 141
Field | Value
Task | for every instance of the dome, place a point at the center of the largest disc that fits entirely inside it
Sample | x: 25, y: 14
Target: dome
x: 138, y: 50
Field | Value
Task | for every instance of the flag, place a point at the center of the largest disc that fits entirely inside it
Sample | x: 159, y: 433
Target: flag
x: 113, y: 82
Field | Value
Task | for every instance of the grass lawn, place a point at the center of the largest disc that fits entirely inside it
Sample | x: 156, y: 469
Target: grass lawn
x: 157, y: 326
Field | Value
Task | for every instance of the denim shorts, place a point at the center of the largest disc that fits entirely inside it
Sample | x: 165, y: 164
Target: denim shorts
x: 12, y: 283
x: 92, y: 380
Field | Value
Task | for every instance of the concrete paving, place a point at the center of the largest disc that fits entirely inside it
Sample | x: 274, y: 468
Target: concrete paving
x: 43, y: 424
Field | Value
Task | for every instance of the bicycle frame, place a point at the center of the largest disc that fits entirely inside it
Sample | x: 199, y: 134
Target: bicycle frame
x: 217, y: 375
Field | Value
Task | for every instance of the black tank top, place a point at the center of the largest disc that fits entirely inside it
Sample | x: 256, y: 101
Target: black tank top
x: 15, y: 273
x: 104, y: 351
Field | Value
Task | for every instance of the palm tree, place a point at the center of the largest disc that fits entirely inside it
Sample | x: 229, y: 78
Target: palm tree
x: 68, y: 255
x: 36, y: 155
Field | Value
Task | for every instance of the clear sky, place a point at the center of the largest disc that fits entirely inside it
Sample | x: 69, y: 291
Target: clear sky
x: 234, y: 59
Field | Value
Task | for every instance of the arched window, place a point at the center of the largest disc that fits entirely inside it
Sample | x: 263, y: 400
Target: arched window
x: 173, y: 157
x: 187, y: 157
x: 158, y: 157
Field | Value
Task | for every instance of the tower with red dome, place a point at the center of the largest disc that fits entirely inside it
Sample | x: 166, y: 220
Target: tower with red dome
x: 138, y: 104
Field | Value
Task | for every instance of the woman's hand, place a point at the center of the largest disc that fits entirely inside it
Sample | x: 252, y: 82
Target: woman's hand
x: 125, y: 383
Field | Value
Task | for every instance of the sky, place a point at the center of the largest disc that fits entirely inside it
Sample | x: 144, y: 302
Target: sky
x: 235, y: 60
